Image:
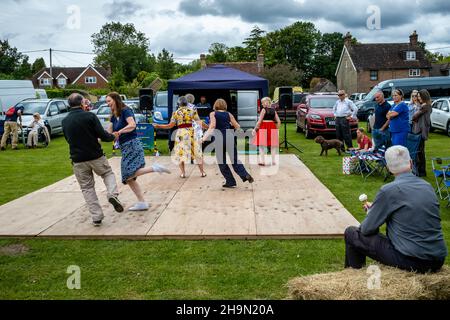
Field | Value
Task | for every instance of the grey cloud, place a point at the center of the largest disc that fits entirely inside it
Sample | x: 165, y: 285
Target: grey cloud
x: 350, y: 14
x: 118, y: 9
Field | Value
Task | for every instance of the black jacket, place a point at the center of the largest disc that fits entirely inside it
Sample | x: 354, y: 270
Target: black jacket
x: 82, y: 130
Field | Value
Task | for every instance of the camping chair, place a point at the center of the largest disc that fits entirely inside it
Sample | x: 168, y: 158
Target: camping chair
x: 446, y: 183
x: 412, y: 145
x: 438, y: 165
x: 371, y: 162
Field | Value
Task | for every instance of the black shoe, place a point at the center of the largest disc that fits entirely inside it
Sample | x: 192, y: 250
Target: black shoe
x: 116, y: 204
x: 3, y: 149
x: 249, y: 178
x: 97, y: 223
x: 229, y: 186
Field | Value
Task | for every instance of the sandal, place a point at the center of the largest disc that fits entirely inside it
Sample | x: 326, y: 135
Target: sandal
x: 182, y: 176
x: 204, y: 175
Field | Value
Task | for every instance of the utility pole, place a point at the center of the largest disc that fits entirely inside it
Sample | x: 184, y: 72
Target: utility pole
x: 51, y: 67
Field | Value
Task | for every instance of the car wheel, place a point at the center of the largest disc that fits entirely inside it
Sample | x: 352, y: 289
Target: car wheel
x: 448, y: 129
x: 308, y: 134
x: 49, y: 131
x: 432, y: 129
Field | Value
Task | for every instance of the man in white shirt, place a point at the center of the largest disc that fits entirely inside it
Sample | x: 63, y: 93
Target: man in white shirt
x: 344, y: 110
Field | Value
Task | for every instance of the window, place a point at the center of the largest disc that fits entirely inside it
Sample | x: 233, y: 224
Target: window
x: 414, y: 72
x: 410, y: 55
x: 373, y: 75
x: 45, y: 82
x: 62, y: 82
x: 53, y: 111
x: 62, y: 107
x: 90, y: 80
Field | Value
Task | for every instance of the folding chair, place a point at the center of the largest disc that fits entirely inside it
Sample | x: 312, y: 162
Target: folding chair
x: 371, y: 162
x: 438, y: 165
x: 413, y: 144
x: 446, y: 183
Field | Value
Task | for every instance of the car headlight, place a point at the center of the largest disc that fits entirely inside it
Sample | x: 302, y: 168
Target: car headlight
x: 315, y: 117
x: 158, y: 115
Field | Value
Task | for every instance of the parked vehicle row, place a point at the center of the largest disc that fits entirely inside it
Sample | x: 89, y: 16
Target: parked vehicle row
x: 103, y: 113
x: 315, y: 116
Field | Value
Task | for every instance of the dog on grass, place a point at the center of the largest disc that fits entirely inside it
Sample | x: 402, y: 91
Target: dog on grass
x: 329, y: 144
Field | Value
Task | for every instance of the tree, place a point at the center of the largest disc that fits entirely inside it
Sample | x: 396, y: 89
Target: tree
x: 13, y: 64
x: 327, y: 55
x: 217, y: 53
x: 123, y: 49
x: 38, y: 65
x: 254, y: 43
x: 282, y: 75
x: 237, y: 54
x: 165, y: 65
x: 295, y: 45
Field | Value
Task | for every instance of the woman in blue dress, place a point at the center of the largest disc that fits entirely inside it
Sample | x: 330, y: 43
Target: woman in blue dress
x: 123, y: 126
x: 398, y: 118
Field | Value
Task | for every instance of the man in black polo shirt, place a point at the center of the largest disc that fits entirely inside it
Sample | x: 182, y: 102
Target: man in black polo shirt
x: 82, y: 130
x: 380, y: 131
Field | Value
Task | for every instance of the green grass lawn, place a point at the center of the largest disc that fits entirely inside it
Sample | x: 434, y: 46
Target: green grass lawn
x: 174, y: 269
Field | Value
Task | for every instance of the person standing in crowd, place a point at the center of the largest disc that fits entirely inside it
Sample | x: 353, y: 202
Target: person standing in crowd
x: 221, y: 125
x: 380, y: 132
x: 186, y: 148
x: 421, y: 125
x: 344, y: 110
x: 35, y: 125
x: 82, y: 130
x: 398, y: 118
x: 11, y: 126
x: 414, y: 240
x: 123, y: 126
x: 266, y: 132
x: 413, y: 107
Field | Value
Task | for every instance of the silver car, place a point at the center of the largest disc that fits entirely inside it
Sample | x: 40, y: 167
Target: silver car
x: 440, y: 117
x: 52, y: 112
x: 104, y: 114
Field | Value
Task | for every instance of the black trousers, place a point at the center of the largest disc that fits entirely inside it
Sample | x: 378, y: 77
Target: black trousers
x: 379, y: 248
x: 229, y: 147
x: 421, y: 164
x: 343, y: 131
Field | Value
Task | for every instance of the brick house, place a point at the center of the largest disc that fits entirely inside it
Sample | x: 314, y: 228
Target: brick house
x: 362, y: 66
x: 256, y: 68
x: 91, y: 77
x: 440, y: 69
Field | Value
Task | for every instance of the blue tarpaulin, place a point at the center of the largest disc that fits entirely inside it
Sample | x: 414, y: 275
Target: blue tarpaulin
x: 217, y: 77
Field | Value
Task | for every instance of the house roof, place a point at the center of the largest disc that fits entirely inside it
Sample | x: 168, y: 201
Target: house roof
x: 248, y: 67
x: 384, y: 56
x: 71, y: 73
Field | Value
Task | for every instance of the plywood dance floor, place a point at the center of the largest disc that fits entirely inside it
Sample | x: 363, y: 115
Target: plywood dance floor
x: 287, y: 202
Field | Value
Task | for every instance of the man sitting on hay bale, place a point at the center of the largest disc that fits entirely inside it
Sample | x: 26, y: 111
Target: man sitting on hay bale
x: 410, y: 209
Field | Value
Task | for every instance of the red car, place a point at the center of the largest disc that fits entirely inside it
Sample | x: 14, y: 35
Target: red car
x: 315, y: 116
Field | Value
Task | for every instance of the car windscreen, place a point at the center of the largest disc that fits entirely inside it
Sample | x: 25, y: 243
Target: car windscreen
x: 323, y: 103
x: 104, y: 111
x: 298, y: 98
x: 31, y: 108
x: 371, y: 95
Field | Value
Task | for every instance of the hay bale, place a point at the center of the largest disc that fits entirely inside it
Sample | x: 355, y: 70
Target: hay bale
x: 351, y: 284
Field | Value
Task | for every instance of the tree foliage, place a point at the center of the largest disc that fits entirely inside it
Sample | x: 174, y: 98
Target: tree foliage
x: 282, y: 75
x: 123, y: 49
x: 165, y: 64
x: 13, y: 64
x: 38, y: 65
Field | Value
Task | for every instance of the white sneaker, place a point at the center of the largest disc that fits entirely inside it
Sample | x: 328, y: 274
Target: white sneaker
x: 159, y: 168
x: 140, y: 206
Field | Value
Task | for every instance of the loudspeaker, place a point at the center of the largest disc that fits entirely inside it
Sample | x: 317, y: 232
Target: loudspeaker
x: 286, y: 95
x: 146, y: 99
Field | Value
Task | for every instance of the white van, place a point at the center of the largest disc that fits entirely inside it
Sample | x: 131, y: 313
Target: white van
x: 14, y: 91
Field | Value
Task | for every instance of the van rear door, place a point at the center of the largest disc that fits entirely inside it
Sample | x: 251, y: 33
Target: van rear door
x: 247, y: 108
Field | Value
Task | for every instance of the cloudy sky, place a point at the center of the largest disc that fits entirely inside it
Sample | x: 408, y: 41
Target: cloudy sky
x: 187, y: 27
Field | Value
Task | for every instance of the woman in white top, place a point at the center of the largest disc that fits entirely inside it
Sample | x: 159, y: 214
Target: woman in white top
x: 34, y: 133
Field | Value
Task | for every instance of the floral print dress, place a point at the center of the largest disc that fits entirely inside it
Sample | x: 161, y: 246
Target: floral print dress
x: 186, y: 146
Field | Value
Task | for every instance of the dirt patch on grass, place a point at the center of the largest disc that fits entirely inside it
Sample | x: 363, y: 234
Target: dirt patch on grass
x: 14, y: 250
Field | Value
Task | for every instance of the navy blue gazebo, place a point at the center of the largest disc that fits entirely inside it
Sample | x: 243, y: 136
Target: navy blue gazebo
x: 218, y: 77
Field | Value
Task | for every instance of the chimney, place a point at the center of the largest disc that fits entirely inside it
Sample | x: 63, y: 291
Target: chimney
x: 348, y: 39
x: 260, y: 61
x: 203, y: 61
x: 414, y: 39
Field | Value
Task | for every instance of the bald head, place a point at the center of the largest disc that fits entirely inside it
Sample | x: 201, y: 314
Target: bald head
x: 75, y: 100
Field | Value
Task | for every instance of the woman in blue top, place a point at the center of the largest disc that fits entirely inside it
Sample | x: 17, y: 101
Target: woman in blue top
x: 399, y: 119
x: 123, y: 126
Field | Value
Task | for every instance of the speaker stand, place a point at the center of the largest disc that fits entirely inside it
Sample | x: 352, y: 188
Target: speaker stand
x: 286, y: 143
